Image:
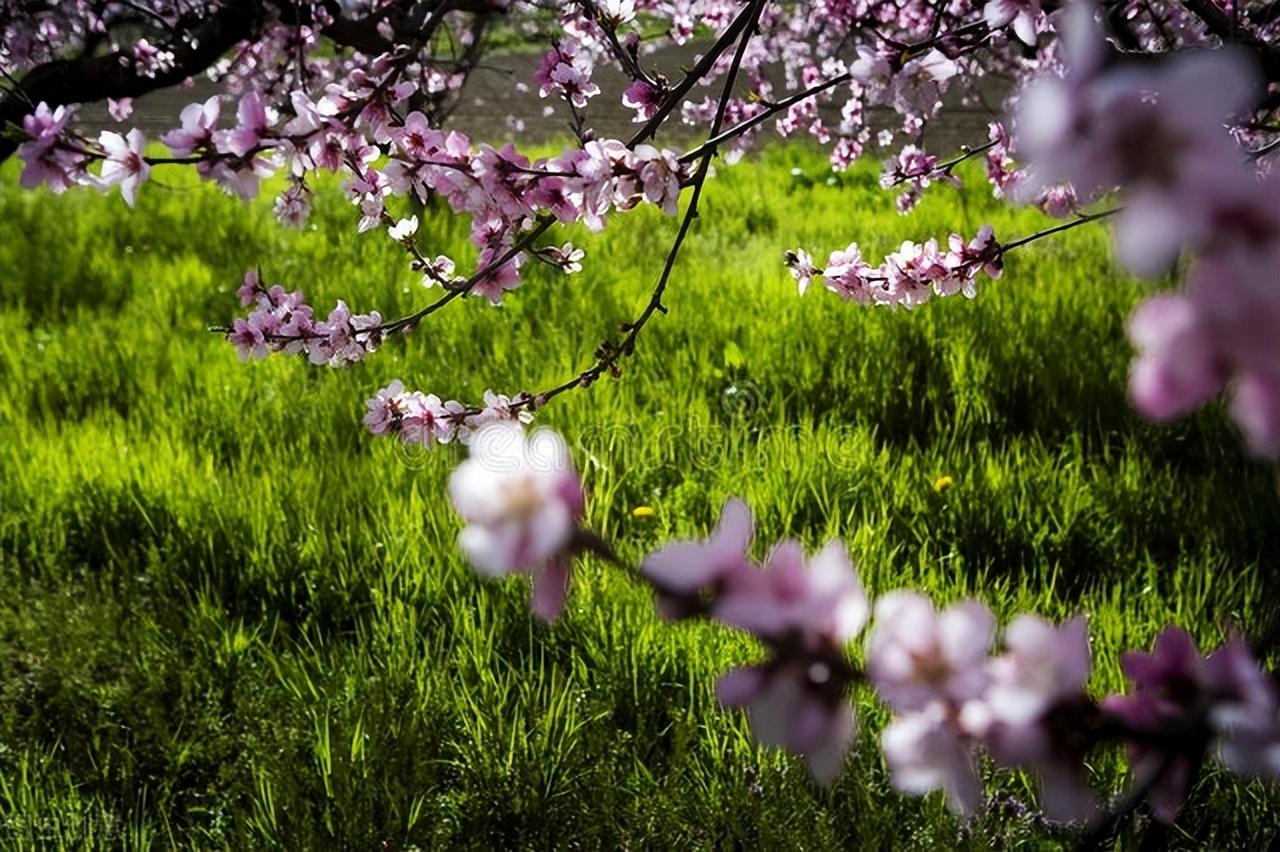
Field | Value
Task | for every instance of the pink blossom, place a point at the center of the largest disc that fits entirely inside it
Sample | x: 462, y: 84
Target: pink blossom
x: 45, y: 159
x: 1043, y: 670
x: 846, y: 274
x: 419, y: 419
x: 249, y: 290
x: 522, y: 502
x: 1255, y: 407
x: 1178, y: 367
x: 500, y: 279
x: 124, y: 164
x: 660, y: 174
x: 644, y: 98
x: 242, y: 178
x: 820, y: 604
x: 916, y: 655
x: 794, y: 706
x: 293, y: 206
x: 802, y: 268
x: 416, y: 138
x: 685, y: 573
x: 925, y: 751
x: 426, y: 420
x: 910, y: 273
x: 568, y: 71
x: 1157, y: 132
x: 252, y: 122
x: 249, y: 336
x: 1246, y: 714
x: 1058, y: 201
x: 1021, y: 14
x: 120, y: 109
x: 1170, y: 685
x: 384, y: 408
x: 916, y: 89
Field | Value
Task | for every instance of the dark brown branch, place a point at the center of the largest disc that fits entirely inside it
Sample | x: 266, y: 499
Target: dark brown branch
x: 113, y: 75
x: 1221, y: 24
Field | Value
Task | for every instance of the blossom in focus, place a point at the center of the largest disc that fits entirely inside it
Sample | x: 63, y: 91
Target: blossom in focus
x: 252, y: 121
x: 1019, y: 15
x: 846, y: 274
x: 404, y: 229
x: 801, y: 267
x: 659, y: 172
x: 644, y: 98
x: 522, y: 502
x: 124, y: 165
x: 45, y: 160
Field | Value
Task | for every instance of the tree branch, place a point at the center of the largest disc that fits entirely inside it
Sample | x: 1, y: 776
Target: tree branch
x: 95, y: 78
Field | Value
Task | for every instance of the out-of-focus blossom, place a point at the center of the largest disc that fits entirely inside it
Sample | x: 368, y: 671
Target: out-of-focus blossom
x: 793, y: 706
x: 1025, y: 719
x: 684, y: 573
x: 917, y: 655
x: 522, y: 502
x: 925, y: 751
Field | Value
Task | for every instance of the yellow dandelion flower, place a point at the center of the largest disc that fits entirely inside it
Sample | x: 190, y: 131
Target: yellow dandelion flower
x: 642, y: 512
x: 942, y: 483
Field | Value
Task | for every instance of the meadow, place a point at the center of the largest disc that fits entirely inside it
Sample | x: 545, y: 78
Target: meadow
x: 232, y: 618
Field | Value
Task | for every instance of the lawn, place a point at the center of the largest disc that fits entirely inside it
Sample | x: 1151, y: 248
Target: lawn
x: 232, y: 618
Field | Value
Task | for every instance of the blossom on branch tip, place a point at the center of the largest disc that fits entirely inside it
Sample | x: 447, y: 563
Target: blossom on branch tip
x: 45, y: 158
x: 802, y: 268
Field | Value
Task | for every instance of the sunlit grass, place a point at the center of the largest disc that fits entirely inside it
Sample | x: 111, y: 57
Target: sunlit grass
x: 232, y: 618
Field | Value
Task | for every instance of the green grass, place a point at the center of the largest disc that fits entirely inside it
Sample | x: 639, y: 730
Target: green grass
x: 231, y: 617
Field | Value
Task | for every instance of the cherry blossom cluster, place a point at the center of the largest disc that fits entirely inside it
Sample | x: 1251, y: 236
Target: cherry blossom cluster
x: 1159, y: 134
x: 955, y: 695
x: 281, y: 321
x: 424, y: 420
x: 1174, y: 113
x: 908, y: 276
x: 364, y: 88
